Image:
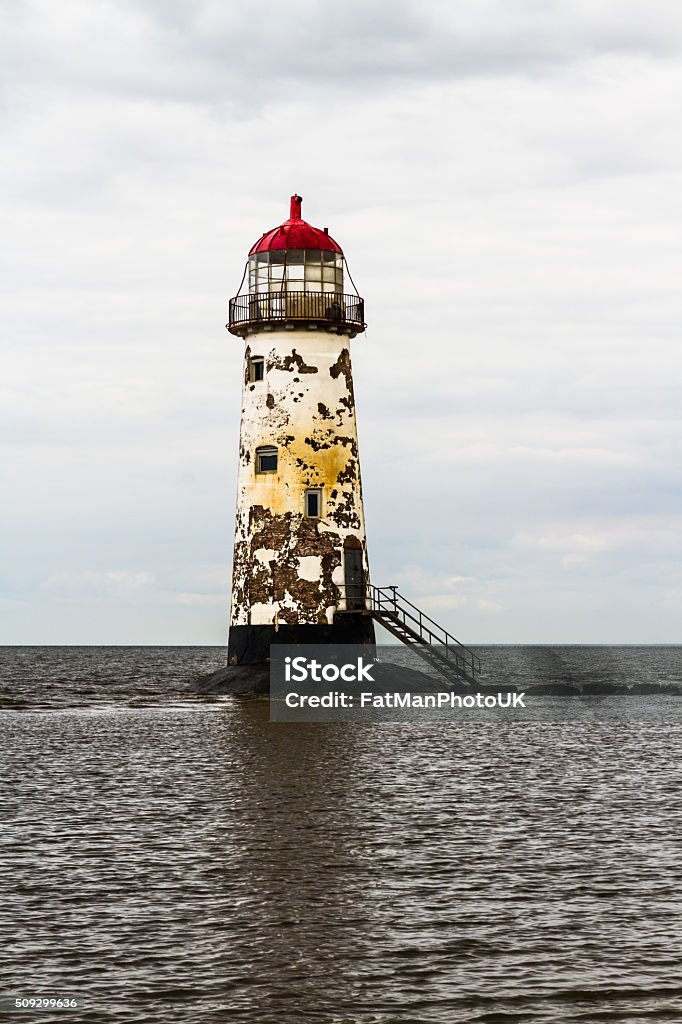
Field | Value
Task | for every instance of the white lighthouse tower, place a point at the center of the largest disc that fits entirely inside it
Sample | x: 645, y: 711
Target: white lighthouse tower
x: 300, y: 572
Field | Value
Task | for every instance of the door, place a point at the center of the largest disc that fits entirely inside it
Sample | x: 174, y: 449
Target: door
x: 354, y: 577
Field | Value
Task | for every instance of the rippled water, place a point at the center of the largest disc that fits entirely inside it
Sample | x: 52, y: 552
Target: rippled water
x: 176, y: 857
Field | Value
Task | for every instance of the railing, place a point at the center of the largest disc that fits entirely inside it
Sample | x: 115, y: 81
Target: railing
x: 343, y: 310
x: 388, y: 600
x: 389, y: 607
x: 354, y: 597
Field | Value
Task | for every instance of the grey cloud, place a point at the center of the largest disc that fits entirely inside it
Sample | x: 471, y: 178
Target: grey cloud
x: 241, y: 57
x: 356, y: 41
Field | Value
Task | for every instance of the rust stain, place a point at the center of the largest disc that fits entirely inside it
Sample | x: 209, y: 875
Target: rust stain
x: 350, y: 474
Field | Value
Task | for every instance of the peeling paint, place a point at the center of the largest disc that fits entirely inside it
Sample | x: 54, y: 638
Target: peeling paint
x: 350, y: 474
x: 265, y: 555
x: 310, y: 567
x: 287, y: 362
x: 342, y: 365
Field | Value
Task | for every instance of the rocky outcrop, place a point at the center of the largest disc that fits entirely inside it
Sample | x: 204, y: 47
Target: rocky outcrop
x: 645, y: 689
x: 604, y: 689
x: 255, y: 679
x: 252, y: 679
x: 553, y: 690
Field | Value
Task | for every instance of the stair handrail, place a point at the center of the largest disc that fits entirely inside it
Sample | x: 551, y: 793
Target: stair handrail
x: 389, y: 600
x: 395, y: 597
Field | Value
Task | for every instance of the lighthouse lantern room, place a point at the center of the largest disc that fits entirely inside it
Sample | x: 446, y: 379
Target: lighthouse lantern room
x: 300, y: 571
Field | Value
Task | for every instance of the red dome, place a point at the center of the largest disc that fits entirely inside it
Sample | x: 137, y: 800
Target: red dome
x: 295, y: 234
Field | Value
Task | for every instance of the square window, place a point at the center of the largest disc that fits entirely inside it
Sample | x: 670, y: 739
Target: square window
x: 266, y: 460
x: 256, y: 369
x: 313, y: 503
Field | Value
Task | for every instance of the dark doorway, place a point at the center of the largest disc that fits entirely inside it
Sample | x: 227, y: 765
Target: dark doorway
x: 354, y: 577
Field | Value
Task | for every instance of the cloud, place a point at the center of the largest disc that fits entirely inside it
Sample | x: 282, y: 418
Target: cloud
x: 440, y: 595
x: 651, y: 533
x: 209, y: 51
x: 505, y: 179
x: 202, y: 599
x: 119, y: 582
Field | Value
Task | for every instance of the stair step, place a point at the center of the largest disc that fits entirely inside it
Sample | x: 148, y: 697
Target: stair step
x: 407, y: 623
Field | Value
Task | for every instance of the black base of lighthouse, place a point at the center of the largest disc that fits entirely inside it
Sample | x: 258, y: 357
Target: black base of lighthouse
x: 250, y: 645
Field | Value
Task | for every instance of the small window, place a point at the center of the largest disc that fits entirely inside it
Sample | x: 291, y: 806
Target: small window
x: 266, y: 459
x: 313, y: 503
x: 256, y: 369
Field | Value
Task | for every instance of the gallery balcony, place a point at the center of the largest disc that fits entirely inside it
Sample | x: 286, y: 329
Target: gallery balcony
x: 342, y: 314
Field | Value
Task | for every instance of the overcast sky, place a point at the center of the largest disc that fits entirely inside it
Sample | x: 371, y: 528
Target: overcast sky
x: 504, y: 177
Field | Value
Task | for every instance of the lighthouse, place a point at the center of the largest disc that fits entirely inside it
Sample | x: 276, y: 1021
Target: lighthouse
x: 300, y: 569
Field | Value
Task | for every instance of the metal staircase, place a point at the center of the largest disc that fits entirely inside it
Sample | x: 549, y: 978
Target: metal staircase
x: 442, y: 651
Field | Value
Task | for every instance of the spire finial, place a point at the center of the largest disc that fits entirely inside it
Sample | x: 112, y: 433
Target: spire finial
x: 295, y: 211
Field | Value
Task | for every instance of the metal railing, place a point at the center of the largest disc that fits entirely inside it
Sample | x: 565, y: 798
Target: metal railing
x: 401, y: 616
x: 328, y: 307
x: 354, y: 597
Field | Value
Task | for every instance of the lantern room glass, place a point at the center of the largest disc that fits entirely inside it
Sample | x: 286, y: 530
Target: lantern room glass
x: 296, y: 270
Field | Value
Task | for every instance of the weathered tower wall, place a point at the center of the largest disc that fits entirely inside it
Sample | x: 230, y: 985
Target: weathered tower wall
x: 296, y: 577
